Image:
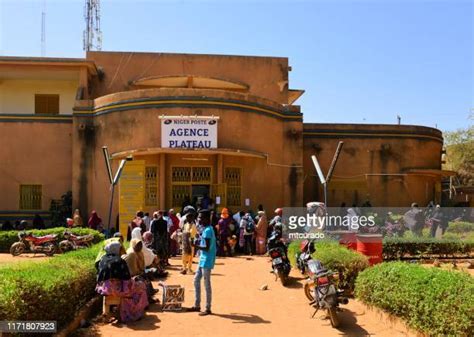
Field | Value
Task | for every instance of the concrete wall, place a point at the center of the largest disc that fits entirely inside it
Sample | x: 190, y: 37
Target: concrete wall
x: 34, y: 153
x: 378, y: 163
x: 266, y: 76
x: 18, y: 96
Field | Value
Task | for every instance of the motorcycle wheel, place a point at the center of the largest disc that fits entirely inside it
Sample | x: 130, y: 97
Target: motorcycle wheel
x: 333, y: 317
x: 309, y: 290
x: 50, y: 250
x: 17, y: 248
x: 65, y: 246
x: 283, y: 278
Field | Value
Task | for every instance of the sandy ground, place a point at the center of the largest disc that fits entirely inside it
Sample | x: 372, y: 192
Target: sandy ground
x: 8, y: 258
x: 240, y: 308
x: 460, y: 266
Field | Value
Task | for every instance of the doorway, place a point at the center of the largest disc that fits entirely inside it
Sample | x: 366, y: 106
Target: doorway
x: 198, y: 192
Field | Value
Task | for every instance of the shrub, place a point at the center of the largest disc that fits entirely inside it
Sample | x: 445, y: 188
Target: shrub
x: 10, y: 237
x: 52, y: 289
x: 336, y: 258
x: 460, y: 227
x: 436, y: 302
x: 396, y: 248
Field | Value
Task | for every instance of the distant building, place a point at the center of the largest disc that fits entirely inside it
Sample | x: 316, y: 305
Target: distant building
x: 225, y: 126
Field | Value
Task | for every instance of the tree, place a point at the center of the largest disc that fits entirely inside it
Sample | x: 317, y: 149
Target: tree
x: 460, y: 154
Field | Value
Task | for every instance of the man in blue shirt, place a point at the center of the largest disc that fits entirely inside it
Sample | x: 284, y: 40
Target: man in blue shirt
x: 207, y: 260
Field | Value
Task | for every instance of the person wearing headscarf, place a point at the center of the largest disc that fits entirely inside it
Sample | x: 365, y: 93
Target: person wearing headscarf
x: 148, y: 255
x: 134, y: 258
x: 114, y: 279
x: 111, y: 265
x: 223, y: 232
x: 118, y: 237
x: 76, y: 217
x: 173, y: 245
x: 261, y: 233
x: 94, y: 221
x: 159, y: 229
x: 136, y: 265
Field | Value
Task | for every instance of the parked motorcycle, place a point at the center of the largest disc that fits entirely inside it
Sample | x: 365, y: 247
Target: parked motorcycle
x: 34, y: 244
x: 321, y: 289
x: 307, y: 248
x: 74, y: 242
x: 280, y: 263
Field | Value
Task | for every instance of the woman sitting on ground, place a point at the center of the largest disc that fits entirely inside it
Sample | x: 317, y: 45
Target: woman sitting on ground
x: 114, y: 279
x: 136, y: 265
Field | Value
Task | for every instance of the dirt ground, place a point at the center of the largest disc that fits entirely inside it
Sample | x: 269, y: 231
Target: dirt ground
x: 8, y: 258
x: 240, y: 308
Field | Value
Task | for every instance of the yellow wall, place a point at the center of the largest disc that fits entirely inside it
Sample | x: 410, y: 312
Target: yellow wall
x: 18, y: 96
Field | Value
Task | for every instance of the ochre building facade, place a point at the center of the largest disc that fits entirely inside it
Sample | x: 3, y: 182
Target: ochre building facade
x: 190, y: 125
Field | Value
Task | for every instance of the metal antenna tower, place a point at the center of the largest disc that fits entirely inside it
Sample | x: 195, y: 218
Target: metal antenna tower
x: 92, y: 33
x: 43, y: 29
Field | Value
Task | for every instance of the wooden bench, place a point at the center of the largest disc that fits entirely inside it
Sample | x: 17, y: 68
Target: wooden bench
x: 108, y: 302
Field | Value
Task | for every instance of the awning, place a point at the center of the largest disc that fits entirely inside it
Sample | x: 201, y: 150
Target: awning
x: 158, y: 150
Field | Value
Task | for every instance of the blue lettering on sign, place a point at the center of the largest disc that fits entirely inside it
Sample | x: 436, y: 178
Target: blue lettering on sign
x: 194, y: 144
x: 179, y: 132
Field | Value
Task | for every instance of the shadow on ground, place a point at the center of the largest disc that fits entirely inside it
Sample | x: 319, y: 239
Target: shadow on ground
x: 243, y: 318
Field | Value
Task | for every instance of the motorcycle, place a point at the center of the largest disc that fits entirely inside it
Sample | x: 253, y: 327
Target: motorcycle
x: 280, y: 263
x: 74, y: 242
x: 34, y: 244
x: 321, y: 290
x: 304, y: 256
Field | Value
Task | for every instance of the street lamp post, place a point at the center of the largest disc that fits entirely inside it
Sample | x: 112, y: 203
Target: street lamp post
x: 113, y: 180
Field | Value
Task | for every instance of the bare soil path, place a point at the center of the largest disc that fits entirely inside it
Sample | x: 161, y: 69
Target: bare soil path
x: 241, y: 309
x: 8, y: 258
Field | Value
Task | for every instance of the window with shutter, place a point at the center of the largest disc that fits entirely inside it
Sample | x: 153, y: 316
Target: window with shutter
x: 47, y: 104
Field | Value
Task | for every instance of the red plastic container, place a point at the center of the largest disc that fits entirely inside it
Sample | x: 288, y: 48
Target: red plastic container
x: 371, y: 245
x: 348, y: 239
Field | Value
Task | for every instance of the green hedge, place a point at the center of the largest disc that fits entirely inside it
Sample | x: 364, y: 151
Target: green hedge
x: 460, y: 227
x: 53, y: 289
x: 10, y: 237
x: 396, y: 248
x: 335, y: 257
x: 436, y: 302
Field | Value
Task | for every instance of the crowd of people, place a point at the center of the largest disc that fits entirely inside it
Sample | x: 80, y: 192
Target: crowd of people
x: 128, y: 273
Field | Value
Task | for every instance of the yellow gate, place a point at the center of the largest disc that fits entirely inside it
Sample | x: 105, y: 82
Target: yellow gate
x: 131, y: 192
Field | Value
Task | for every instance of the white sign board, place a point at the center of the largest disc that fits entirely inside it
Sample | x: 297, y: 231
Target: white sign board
x: 189, y: 132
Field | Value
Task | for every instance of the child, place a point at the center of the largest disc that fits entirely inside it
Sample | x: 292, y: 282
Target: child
x: 188, y: 235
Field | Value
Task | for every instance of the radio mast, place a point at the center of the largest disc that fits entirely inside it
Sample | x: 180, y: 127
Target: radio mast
x: 43, y: 29
x: 92, y: 33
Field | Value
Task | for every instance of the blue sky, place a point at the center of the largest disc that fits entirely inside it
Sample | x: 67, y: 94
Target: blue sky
x: 359, y: 61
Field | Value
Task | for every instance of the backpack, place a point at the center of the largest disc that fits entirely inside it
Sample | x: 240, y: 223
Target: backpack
x: 250, y: 226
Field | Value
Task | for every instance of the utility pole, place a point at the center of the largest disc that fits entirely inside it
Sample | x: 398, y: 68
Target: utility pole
x: 92, y: 34
x: 43, y: 29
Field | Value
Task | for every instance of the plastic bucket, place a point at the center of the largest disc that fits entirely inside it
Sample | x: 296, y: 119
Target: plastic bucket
x: 371, y: 245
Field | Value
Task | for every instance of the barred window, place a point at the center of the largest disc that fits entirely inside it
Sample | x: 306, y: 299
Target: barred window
x: 30, y: 197
x: 233, y: 179
x: 151, y: 186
